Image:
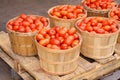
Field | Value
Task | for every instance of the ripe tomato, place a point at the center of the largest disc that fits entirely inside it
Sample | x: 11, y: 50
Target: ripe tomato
x: 69, y: 40
x: 23, y: 16
x: 15, y: 27
x: 44, y: 42
x: 76, y: 36
x: 55, y: 41
x: 62, y: 31
x: 39, y: 37
x: 72, y: 31
x: 9, y: 26
x: 25, y: 23
x: 64, y: 46
x: 43, y: 19
x: 100, y: 31
x: 89, y: 28
x: 70, y: 15
x: 32, y: 26
x: 49, y: 46
x: 75, y: 42
x: 63, y: 12
x: 61, y: 39
x: 55, y: 47
x: 107, y: 28
x: 21, y: 29
x: 27, y: 29
x: 57, y: 14
x: 29, y: 19
x: 51, y: 31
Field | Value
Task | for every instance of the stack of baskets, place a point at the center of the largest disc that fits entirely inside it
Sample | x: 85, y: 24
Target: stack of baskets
x: 60, y: 62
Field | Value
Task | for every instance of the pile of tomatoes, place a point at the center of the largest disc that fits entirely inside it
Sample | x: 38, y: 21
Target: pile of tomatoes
x: 58, y: 38
x: 27, y: 23
x: 100, y: 4
x: 67, y: 11
x: 97, y: 25
x: 115, y: 14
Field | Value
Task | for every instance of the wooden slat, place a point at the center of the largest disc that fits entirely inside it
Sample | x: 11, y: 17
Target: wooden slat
x: 106, y: 60
x: 85, y: 64
x: 10, y: 62
x: 85, y: 70
x: 99, y: 71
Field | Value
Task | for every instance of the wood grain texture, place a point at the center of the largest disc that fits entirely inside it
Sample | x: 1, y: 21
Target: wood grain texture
x: 85, y: 70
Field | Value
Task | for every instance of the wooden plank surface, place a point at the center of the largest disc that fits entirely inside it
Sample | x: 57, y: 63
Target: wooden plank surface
x: 10, y: 62
x: 85, y: 70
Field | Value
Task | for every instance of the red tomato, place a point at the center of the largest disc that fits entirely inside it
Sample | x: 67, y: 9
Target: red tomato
x: 23, y: 16
x: 25, y: 23
x: 62, y: 31
x: 72, y: 31
x: 100, y: 31
x: 63, y: 12
x: 15, y: 28
x: 43, y: 19
x: 114, y: 29
x: 44, y: 42
x: 55, y: 47
x: 66, y: 35
x: 27, y: 29
x: 69, y: 40
x: 9, y: 26
x: 43, y: 32
x: 57, y: 14
x: 49, y: 46
x: 51, y: 31
x: 76, y: 36
x: 64, y: 46
x: 29, y: 19
x: 32, y: 26
x: 21, y: 29
x: 75, y: 43
x: 55, y: 42
x: 47, y: 36
x: 107, y: 28
x: 89, y: 28
x: 70, y: 15
x: 39, y: 37
x: 61, y: 39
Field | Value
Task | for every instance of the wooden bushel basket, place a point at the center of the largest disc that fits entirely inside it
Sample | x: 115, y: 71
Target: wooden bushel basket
x: 94, y: 12
x: 58, y: 62
x: 118, y: 39
x: 22, y: 43
x: 97, y: 46
x: 68, y: 23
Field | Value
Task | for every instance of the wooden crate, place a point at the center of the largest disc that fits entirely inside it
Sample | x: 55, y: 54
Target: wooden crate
x: 29, y: 69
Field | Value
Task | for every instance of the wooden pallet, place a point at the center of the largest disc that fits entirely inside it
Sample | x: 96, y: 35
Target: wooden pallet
x: 29, y: 69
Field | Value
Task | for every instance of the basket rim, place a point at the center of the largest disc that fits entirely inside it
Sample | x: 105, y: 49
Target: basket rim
x: 60, y: 51
x: 96, y: 34
x: 102, y: 10
x: 84, y: 15
x: 25, y: 32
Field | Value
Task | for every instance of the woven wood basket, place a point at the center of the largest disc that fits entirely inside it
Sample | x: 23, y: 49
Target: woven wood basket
x: 97, y: 46
x: 58, y: 62
x: 94, y: 12
x: 68, y: 23
x: 22, y: 43
x: 118, y: 39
